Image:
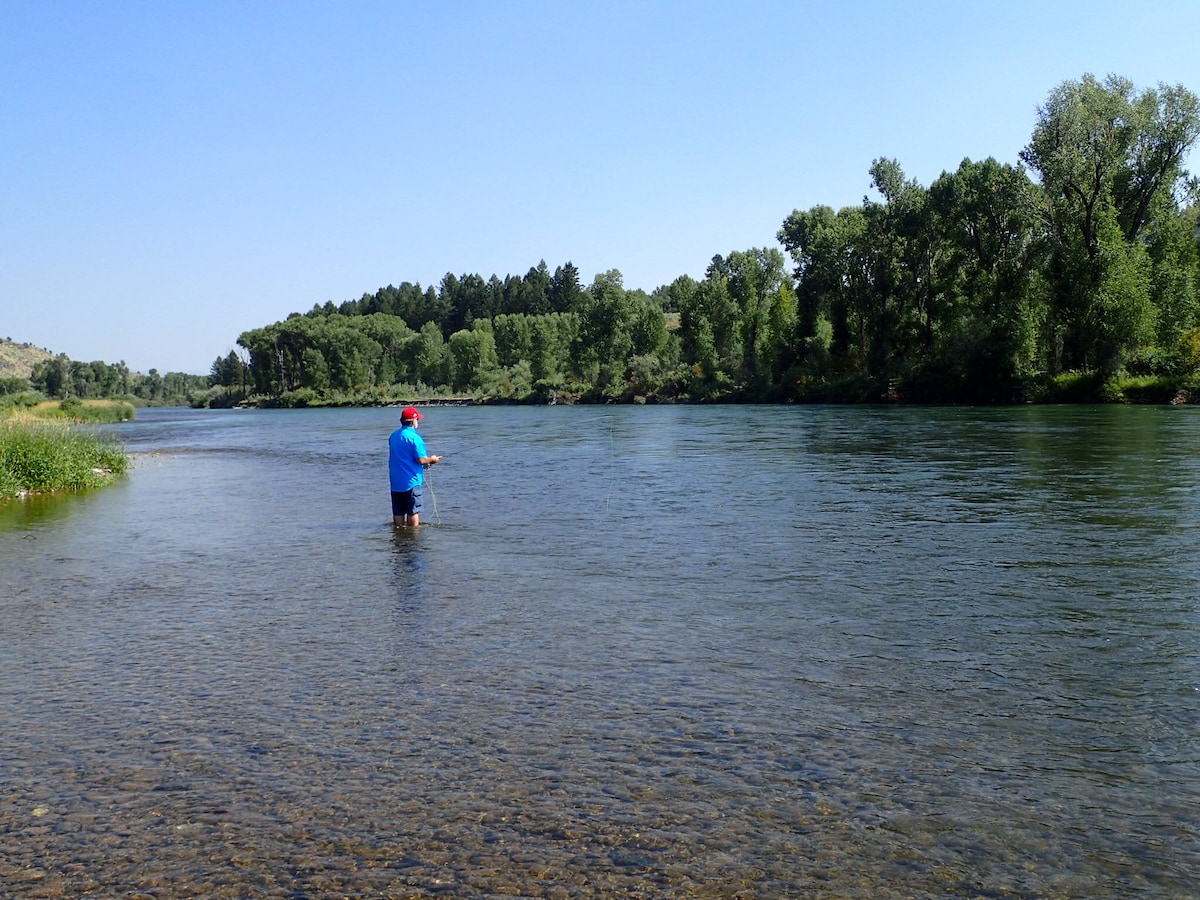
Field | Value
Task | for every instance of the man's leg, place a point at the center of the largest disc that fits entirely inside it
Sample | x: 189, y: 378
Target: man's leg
x: 418, y: 503
x: 405, y: 507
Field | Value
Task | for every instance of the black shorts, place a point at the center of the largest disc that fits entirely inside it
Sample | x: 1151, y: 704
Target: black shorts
x: 407, y: 503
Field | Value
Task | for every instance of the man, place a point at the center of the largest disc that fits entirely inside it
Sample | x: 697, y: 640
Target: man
x: 407, y: 459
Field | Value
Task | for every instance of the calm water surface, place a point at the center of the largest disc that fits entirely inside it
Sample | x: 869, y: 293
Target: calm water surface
x: 636, y: 652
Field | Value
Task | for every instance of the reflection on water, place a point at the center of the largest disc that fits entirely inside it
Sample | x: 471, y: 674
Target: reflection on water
x: 38, y: 509
x: 650, y: 652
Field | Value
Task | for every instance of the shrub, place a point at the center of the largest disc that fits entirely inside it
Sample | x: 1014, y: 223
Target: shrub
x: 83, y: 411
x: 1189, y: 350
x: 23, y: 400
x: 47, y: 456
x: 1075, y: 387
x: 1139, y: 389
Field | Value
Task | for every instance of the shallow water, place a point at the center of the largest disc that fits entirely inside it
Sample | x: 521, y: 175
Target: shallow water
x: 637, y: 651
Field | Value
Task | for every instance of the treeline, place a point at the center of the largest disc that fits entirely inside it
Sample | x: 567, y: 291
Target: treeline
x: 518, y: 338
x: 989, y: 285
x: 1072, y: 274
x: 62, y: 378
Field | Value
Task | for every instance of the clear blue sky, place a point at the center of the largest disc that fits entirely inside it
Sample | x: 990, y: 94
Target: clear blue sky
x: 174, y: 173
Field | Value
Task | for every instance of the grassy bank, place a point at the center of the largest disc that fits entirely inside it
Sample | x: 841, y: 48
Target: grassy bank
x: 38, y: 455
x: 92, y: 412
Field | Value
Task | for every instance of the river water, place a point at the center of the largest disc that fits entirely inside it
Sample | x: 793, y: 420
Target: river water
x: 633, y: 652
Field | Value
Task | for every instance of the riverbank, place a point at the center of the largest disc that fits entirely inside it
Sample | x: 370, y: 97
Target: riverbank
x: 1073, y: 388
x: 40, y: 453
x: 83, y: 412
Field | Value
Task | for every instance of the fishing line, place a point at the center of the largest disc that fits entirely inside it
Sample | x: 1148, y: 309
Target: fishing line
x: 508, y: 438
x: 525, y: 434
x: 432, y: 495
x: 612, y: 465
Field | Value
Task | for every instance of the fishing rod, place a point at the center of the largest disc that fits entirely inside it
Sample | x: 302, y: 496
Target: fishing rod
x: 524, y: 434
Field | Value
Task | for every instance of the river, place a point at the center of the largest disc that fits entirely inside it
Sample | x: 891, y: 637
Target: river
x: 667, y: 651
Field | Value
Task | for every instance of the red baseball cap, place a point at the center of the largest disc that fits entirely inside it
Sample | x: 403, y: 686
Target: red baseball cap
x: 410, y: 413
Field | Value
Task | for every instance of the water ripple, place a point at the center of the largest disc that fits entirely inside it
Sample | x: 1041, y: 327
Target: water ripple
x: 874, y: 653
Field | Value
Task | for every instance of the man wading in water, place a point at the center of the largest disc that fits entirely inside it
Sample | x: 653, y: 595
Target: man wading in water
x: 407, y: 459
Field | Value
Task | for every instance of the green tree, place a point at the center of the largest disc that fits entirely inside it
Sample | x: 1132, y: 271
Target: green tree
x: 647, y: 328
x: 431, y: 362
x: 151, y: 386
x: 547, y: 348
x: 535, y: 290
x: 709, y: 336
x: 833, y: 284
x: 565, y: 290
x: 513, y: 338
x: 229, y: 371
x: 392, y: 334
x: 13, y: 384
x: 990, y: 318
x: 899, y: 300
x: 464, y: 300
x: 52, y: 377
x: 1174, y: 250
x: 266, y: 360
x: 472, y: 357
x: 1110, y: 160
x: 604, y: 344
x: 755, y: 280
x: 178, y: 388
x: 698, y: 343
x: 352, y: 355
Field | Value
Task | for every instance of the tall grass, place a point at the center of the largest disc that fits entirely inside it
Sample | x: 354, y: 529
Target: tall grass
x: 38, y: 456
x: 90, y: 411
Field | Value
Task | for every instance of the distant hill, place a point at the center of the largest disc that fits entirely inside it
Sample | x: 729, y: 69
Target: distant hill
x: 18, y: 360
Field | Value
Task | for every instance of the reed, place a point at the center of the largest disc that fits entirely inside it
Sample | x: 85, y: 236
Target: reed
x: 38, y: 456
x: 85, y: 411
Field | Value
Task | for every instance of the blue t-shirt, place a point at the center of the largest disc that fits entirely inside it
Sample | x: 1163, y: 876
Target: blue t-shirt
x: 405, y: 450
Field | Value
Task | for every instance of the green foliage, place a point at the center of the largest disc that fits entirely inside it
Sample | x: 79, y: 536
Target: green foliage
x: 472, y: 358
x: 218, y: 397
x: 509, y: 383
x: 1073, y: 386
x: 649, y: 376
x: 61, y: 377
x: 300, y: 398
x: 76, y: 411
x: 1110, y: 160
x: 1189, y: 351
x: 1096, y: 387
x: 988, y: 312
x: 12, y: 385
x: 431, y: 361
x: 47, y: 456
x: 603, y: 343
x: 1174, y: 253
x: 23, y: 400
x: 230, y: 371
x: 512, y: 335
x: 833, y: 277
x: 1139, y: 389
x: 985, y: 285
x: 1069, y: 276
